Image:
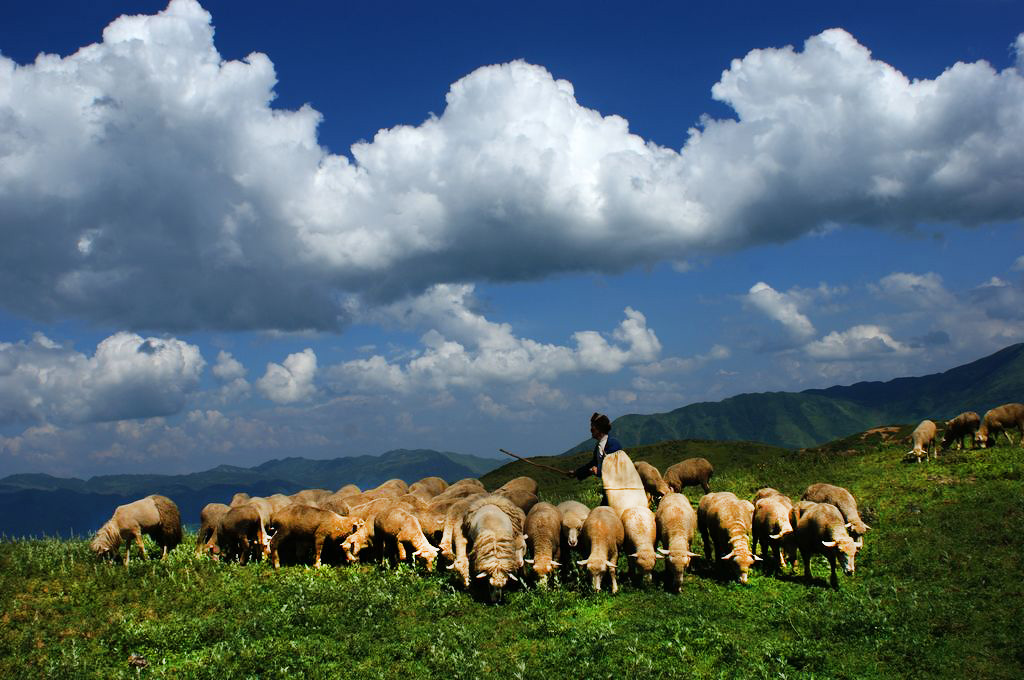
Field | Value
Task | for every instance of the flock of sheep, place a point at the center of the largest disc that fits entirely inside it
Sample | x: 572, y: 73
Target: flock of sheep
x: 508, y: 534
x: 982, y: 432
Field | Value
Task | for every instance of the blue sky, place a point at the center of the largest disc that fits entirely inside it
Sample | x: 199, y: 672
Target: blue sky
x: 230, y: 233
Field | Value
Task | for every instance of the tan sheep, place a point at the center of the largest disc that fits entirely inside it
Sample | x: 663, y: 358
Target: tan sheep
x: 770, y: 529
x: 523, y: 498
x: 427, y: 488
x: 543, y: 530
x: 923, y: 438
x: 304, y: 524
x: 641, y: 534
x: 363, y: 537
x: 574, y: 514
x: 524, y: 483
x: 240, y: 498
x: 724, y: 520
x: 394, y: 528
x: 843, y: 500
x: 964, y: 425
x: 209, y: 518
x: 348, y: 490
x: 490, y: 543
x: 676, y: 521
x: 654, y: 485
x: 241, y: 534
x: 690, y: 472
x: 310, y: 496
x: 1001, y: 419
x: 821, y: 530
x: 156, y: 516
x: 602, y: 535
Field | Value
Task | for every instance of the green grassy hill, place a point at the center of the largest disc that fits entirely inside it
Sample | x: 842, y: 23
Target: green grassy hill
x: 936, y: 594
x: 803, y: 419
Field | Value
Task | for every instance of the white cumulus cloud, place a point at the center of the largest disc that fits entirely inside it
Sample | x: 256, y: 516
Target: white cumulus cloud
x: 128, y: 377
x: 860, y: 342
x: 163, y: 190
x: 781, y: 307
x: 291, y: 381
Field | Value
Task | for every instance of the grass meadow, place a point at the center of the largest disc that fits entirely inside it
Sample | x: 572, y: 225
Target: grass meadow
x: 938, y: 592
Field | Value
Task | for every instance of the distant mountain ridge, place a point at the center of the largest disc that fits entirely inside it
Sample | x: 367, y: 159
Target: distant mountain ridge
x: 34, y: 504
x: 801, y: 419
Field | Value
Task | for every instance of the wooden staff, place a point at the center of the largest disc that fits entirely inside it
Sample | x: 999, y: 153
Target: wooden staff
x: 545, y: 467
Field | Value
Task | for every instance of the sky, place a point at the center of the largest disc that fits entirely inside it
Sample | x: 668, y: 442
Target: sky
x: 232, y: 232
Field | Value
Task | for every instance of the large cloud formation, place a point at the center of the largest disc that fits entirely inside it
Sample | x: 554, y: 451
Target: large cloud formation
x: 128, y: 377
x: 146, y: 182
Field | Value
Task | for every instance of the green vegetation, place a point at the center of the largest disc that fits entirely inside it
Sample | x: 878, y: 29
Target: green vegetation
x: 937, y: 592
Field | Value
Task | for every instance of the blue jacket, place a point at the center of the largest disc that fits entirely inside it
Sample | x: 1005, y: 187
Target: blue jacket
x: 611, y: 446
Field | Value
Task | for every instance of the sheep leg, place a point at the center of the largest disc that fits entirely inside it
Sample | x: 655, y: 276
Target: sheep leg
x: 275, y: 543
x: 318, y: 547
x: 806, y: 555
x: 137, y: 534
x: 833, y: 579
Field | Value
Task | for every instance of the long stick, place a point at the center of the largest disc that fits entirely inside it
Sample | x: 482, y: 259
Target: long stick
x: 546, y: 467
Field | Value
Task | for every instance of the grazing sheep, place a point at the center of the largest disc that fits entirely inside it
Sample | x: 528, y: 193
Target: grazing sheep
x: 396, y: 527
x: 821, y: 530
x: 209, y: 518
x: 676, y: 522
x: 724, y: 520
x: 396, y: 486
x: 543, y: 530
x: 348, y: 490
x: 364, y: 537
x: 1000, y: 419
x: 964, y: 425
x: 622, y: 484
x: 304, y: 524
x: 923, y: 438
x: 842, y: 499
x: 156, y: 516
x: 641, y: 534
x: 528, y: 484
x: 654, y: 485
x: 490, y: 543
x: 241, y: 534
x: 769, y: 492
x: 771, y: 527
x: 428, y: 487
x: 690, y: 472
x: 603, y: 533
x: 310, y: 496
x: 523, y: 499
x: 240, y: 498
x: 574, y: 514
x: 452, y: 520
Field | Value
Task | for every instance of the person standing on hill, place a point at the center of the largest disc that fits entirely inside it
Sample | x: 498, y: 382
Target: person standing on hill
x: 600, y: 427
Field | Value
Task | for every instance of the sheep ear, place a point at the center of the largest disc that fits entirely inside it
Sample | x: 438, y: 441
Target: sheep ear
x: 691, y: 554
x: 513, y: 577
x: 775, y: 537
x: 611, y: 564
x: 663, y: 551
x: 858, y: 544
x: 482, y: 574
x: 632, y: 554
x: 659, y: 557
x: 758, y: 559
x: 528, y: 561
x: 829, y: 544
x: 555, y: 564
x: 729, y: 556
x: 581, y: 562
x: 848, y: 525
x: 450, y: 566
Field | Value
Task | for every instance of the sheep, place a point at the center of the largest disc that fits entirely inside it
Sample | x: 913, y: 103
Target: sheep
x: 654, y: 485
x: 310, y: 496
x: 428, y: 487
x: 523, y: 499
x: 821, y: 529
x: 209, y: 518
x: 1000, y: 419
x: 396, y: 486
x: 241, y: 534
x: 453, y: 517
x: 964, y: 425
x: 519, y: 483
x: 363, y: 537
x: 396, y: 526
x: 771, y: 527
x: 490, y: 542
x: 843, y: 500
x: 574, y: 514
x: 240, y: 498
x: 724, y: 520
x: 923, y: 438
x: 304, y: 524
x: 676, y: 522
x: 769, y: 492
x: 690, y: 472
x: 641, y: 534
x: 543, y: 529
x: 622, y: 484
x: 348, y: 490
x: 603, y: 533
x: 156, y: 516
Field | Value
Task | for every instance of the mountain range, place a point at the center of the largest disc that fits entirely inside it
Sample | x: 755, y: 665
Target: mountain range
x: 40, y: 504
x: 796, y: 420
